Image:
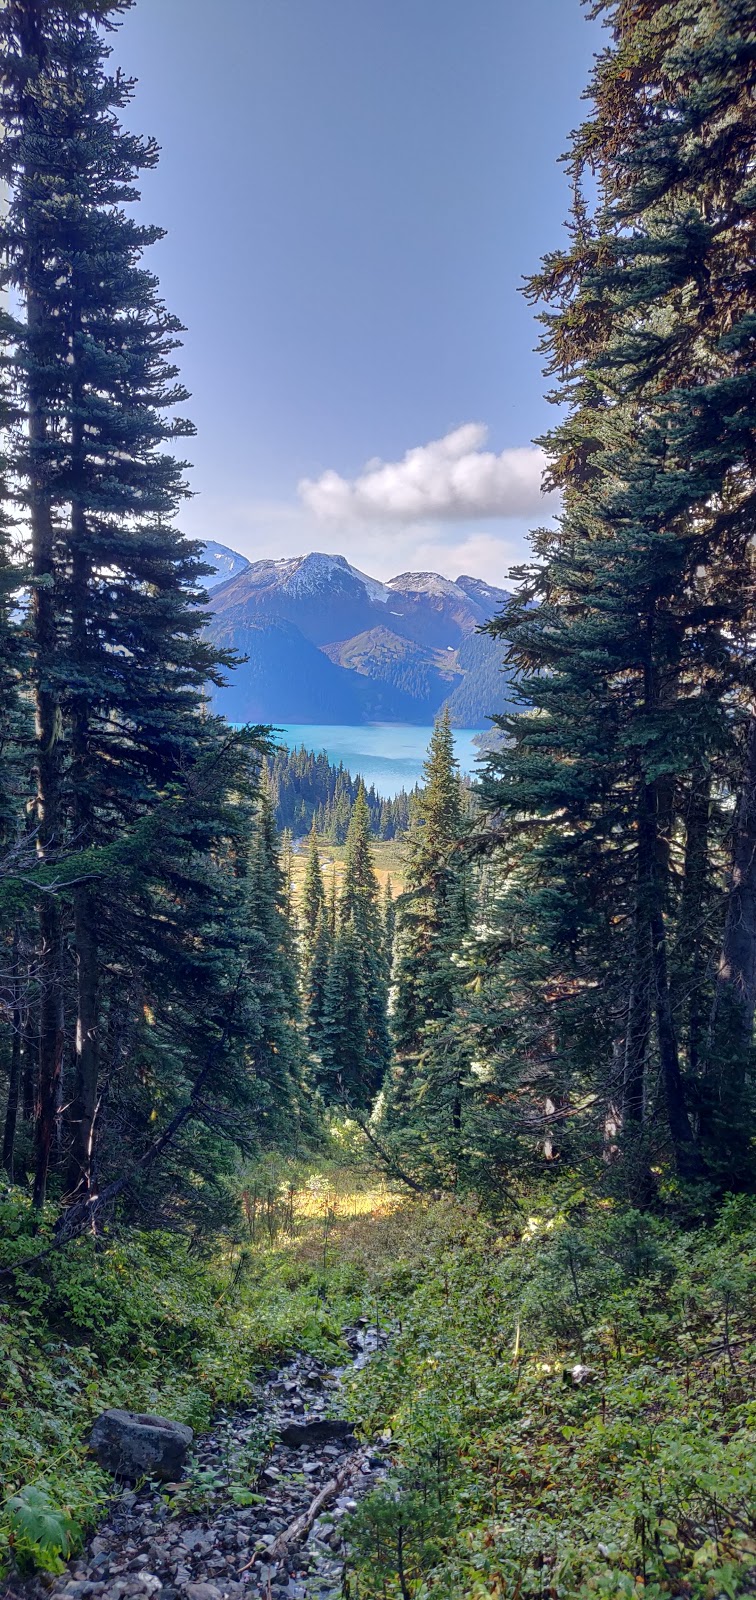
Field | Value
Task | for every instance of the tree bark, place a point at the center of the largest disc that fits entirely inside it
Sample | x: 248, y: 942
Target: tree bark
x: 690, y: 947
x: 31, y: 1064
x: 47, y: 731
x: 84, y: 1104
x: 14, y: 1081
x: 638, y: 1024
x: 47, y: 714
x: 687, y: 1155
x: 731, y: 1027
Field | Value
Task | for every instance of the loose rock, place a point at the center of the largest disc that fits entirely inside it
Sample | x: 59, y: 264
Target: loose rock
x: 171, y: 1545
x: 136, y: 1445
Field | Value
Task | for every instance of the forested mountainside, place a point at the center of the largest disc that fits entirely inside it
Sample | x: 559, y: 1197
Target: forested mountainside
x: 307, y: 790
x: 498, y: 1129
x: 402, y: 651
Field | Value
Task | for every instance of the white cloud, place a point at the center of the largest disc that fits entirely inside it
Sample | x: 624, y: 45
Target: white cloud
x: 269, y: 529
x: 479, y: 555
x: 447, y: 480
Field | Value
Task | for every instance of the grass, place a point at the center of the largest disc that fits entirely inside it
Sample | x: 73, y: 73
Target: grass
x: 388, y: 858
x: 571, y: 1403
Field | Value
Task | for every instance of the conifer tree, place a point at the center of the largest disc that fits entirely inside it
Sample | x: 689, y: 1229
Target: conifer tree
x: 117, y: 664
x: 344, y: 1077
x: 316, y: 978
x: 389, y: 924
x: 271, y: 941
x: 360, y: 906
x: 626, y: 632
x: 313, y: 894
x: 347, y: 994
x: 112, y: 579
x: 432, y: 915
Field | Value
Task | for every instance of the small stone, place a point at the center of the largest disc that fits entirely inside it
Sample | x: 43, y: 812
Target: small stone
x: 202, y: 1591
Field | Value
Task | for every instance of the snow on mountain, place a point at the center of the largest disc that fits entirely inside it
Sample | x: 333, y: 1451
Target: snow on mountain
x: 427, y: 583
x: 225, y: 562
x: 403, y: 641
x: 486, y: 594
x: 314, y: 571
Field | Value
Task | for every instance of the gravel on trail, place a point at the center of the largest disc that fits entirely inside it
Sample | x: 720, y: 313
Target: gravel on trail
x: 192, y: 1541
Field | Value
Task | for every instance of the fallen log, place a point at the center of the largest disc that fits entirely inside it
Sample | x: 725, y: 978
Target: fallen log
x: 298, y: 1530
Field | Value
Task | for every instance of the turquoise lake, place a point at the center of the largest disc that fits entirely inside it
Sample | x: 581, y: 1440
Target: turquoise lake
x: 388, y: 755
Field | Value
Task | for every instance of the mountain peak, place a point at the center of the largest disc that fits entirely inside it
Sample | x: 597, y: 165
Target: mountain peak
x: 226, y: 563
x: 388, y: 650
x: 425, y: 583
x: 486, y: 594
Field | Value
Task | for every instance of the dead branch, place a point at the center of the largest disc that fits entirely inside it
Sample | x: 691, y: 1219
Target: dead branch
x: 298, y: 1530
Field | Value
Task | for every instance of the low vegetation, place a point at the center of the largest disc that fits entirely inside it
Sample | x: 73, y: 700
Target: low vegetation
x: 146, y: 1321
x: 568, y: 1389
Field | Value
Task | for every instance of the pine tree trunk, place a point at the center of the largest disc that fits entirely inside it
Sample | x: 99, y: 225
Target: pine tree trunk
x: 652, y: 863
x: 640, y: 1182
x: 14, y: 1081
x: 47, y: 731
x: 31, y: 1063
x: 690, y: 950
x: 687, y: 1155
x: 638, y: 1025
x: 51, y: 1043
x: 46, y: 705
x: 84, y: 1104
x: 731, y: 1029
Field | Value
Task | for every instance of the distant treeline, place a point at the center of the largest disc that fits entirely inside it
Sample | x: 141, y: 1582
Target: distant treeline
x: 305, y: 785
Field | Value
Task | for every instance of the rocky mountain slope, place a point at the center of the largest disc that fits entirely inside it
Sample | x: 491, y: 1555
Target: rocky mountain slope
x: 226, y: 563
x: 325, y: 642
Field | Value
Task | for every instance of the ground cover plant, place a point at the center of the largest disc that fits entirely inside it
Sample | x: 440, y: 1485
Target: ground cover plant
x: 567, y: 1397
x: 571, y: 1404
x: 139, y: 1320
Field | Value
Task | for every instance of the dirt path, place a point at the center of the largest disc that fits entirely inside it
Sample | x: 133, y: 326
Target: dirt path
x: 205, y: 1546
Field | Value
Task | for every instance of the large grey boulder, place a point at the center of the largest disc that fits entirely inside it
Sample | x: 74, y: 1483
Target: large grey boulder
x: 315, y: 1430
x: 133, y: 1445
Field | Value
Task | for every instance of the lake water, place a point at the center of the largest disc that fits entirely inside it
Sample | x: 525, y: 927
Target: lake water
x: 388, y: 755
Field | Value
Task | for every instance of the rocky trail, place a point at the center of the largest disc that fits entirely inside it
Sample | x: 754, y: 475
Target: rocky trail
x: 198, y: 1540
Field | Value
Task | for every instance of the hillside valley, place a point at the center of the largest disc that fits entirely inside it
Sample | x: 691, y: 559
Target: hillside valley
x: 323, y: 642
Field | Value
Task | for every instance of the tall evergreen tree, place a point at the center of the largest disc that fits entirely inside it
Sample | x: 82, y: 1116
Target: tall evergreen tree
x: 389, y: 924
x: 360, y: 906
x: 112, y: 579
x: 629, y: 630
x: 313, y: 894
x: 348, y: 994
x: 316, y: 979
x: 431, y: 913
x: 344, y: 1077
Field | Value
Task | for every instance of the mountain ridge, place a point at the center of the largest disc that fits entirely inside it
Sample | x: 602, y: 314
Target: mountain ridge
x: 326, y: 642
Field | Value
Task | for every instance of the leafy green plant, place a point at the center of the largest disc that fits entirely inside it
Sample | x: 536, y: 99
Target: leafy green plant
x: 634, y: 1477
x: 42, y: 1534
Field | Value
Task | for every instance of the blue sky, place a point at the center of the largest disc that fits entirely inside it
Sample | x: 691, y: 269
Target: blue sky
x: 353, y: 191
